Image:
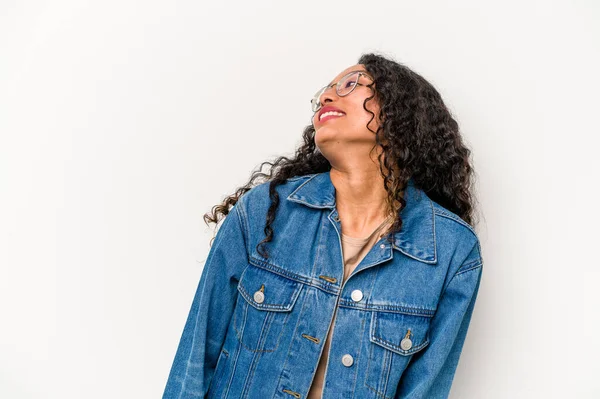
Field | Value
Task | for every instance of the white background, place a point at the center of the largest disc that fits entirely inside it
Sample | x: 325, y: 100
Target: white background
x: 123, y: 122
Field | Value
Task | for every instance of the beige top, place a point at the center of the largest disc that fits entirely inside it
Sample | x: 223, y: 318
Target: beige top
x: 354, y: 250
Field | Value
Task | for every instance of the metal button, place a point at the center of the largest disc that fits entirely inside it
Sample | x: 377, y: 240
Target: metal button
x: 406, y: 344
x: 259, y: 297
x: 336, y: 218
x: 382, y: 246
x: 356, y: 295
x: 347, y: 360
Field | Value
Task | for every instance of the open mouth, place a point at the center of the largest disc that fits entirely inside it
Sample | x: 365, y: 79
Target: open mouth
x: 330, y: 115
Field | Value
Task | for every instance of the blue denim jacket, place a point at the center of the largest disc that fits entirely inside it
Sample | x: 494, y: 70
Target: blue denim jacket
x: 257, y: 326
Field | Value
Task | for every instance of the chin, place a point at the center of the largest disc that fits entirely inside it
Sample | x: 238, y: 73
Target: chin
x: 326, y: 131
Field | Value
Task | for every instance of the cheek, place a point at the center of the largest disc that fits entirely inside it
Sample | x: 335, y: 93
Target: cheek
x: 371, y: 105
x: 362, y: 116
x: 373, y: 114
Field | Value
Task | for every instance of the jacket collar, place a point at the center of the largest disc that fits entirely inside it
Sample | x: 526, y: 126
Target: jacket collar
x: 417, y: 235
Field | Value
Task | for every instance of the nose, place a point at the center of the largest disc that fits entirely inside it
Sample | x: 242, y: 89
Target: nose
x: 327, y: 96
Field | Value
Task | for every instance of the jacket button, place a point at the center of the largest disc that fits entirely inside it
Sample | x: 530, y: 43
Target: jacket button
x: 356, y: 295
x: 259, y: 297
x: 347, y: 360
x: 406, y: 344
x: 382, y: 246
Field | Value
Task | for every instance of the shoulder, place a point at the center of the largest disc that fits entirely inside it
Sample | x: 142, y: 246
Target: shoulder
x: 451, y: 220
x: 457, y: 235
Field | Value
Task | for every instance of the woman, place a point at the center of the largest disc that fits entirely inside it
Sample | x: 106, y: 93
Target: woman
x: 353, y: 270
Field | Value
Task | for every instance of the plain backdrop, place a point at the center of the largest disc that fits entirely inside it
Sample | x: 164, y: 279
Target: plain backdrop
x: 123, y: 122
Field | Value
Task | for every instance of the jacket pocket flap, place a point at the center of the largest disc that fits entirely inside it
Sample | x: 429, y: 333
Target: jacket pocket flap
x: 402, y: 333
x: 265, y: 290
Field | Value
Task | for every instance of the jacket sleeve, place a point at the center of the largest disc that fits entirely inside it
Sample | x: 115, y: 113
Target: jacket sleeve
x: 430, y: 372
x: 211, y: 310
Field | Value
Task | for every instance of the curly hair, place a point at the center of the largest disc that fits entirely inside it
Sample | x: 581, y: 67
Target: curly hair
x: 419, y: 139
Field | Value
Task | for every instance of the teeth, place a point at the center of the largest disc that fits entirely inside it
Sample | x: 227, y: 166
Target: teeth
x: 330, y: 113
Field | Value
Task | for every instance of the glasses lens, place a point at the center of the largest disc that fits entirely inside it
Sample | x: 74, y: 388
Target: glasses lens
x: 347, y: 84
x: 315, y: 102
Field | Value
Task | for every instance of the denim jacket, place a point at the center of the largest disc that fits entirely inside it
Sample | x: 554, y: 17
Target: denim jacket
x: 257, y: 325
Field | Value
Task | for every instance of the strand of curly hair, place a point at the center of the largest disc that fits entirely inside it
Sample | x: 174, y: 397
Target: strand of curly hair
x: 419, y: 138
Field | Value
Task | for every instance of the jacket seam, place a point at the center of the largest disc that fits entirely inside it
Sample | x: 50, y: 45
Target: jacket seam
x: 295, y: 178
x: 405, y: 310
x: 470, y: 264
x: 477, y: 266
x: 455, y: 218
x: 291, y: 345
x: 318, y: 253
x: 465, y: 267
x: 293, y: 276
x: 242, y: 218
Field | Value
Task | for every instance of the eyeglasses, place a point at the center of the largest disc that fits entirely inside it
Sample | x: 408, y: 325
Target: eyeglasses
x: 343, y: 87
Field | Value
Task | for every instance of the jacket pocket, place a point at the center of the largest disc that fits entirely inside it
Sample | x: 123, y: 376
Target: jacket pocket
x: 394, y: 337
x: 264, y: 305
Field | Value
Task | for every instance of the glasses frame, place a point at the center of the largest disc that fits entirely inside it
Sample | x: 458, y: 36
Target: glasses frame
x: 315, y: 102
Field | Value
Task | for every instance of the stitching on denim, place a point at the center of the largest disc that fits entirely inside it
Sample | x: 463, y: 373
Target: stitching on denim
x: 287, y: 357
x: 432, y: 262
x: 332, y: 327
x: 266, y: 327
x: 474, y: 262
x: 479, y: 250
x: 370, y: 354
x: 367, y: 384
x: 457, y: 219
x: 433, y: 244
x: 369, y: 318
x: 433, y: 230
x: 302, y: 185
x: 300, y: 177
x: 233, y: 368
x: 271, y: 307
x: 318, y: 253
x: 269, y: 316
x: 369, y: 307
x: 220, y: 375
x: 387, y: 372
x: 376, y: 262
x: 377, y: 392
x: 478, y: 266
x: 217, y: 242
x: 249, y: 379
x: 358, y: 355
x: 278, y: 270
x: 243, y: 219
x: 318, y: 206
x: 322, y: 285
x: 393, y: 347
x: 388, y: 359
x: 239, y: 334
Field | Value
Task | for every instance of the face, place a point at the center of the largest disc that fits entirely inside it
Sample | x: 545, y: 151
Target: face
x: 348, y: 129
